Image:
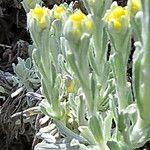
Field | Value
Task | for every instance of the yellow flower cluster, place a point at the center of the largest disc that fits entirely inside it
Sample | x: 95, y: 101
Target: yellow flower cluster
x: 39, y: 13
x: 135, y: 6
x: 69, y: 84
x: 78, y: 18
x: 115, y: 16
x: 58, y: 10
x: 70, y: 87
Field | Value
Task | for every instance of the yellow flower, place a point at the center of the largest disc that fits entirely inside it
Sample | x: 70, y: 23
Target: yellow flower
x: 78, y: 18
x: 135, y: 6
x: 39, y: 13
x: 58, y: 10
x: 69, y: 85
x: 115, y: 16
x: 76, y: 25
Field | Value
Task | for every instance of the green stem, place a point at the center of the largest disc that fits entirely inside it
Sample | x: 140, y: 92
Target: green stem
x: 121, y: 81
x: 82, y: 71
x: 98, y: 39
x: 145, y: 65
x: 103, y: 146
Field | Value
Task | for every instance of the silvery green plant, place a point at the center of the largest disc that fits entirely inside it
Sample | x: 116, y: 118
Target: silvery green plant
x: 131, y: 123
x: 79, y: 36
x: 77, y: 79
x: 141, y: 86
x: 98, y: 49
x: 25, y: 78
x: 119, y: 31
x: 39, y: 24
x: 26, y: 75
x: 49, y: 61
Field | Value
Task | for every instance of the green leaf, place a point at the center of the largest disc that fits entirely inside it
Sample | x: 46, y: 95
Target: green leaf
x: 96, y: 128
x: 66, y: 131
x: 115, y: 145
x: 28, y: 63
x: 108, y: 125
x: 137, y: 75
x: 87, y: 134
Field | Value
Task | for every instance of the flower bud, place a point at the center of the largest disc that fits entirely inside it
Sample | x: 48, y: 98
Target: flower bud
x: 117, y: 17
x: 77, y: 24
x: 69, y: 84
x: 134, y: 6
x: 39, y: 25
x: 38, y: 15
x: 58, y: 11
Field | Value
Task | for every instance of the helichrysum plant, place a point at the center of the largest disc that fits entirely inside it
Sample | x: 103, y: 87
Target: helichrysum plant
x: 118, y: 26
x: 88, y: 100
